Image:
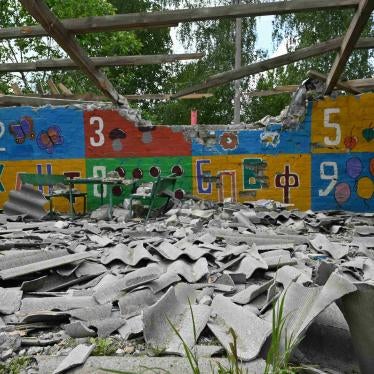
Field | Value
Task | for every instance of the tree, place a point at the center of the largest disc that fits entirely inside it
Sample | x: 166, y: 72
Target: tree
x: 302, y: 30
x: 216, y: 39
x: 97, y: 44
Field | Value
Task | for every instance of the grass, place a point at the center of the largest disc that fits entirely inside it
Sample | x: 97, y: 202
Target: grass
x: 104, y: 347
x: 15, y: 365
x: 277, y: 360
x: 278, y: 357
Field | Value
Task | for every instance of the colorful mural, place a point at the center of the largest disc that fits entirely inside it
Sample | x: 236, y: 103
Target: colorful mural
x: 327, y: 162
x: 247, y: 177
x: 108, y: 134
x: 45, y: 133
x: 271, y: 140
x: 10, y: 176
x: 130, y: 166
x: 344, y: 181
x: 343, y: 125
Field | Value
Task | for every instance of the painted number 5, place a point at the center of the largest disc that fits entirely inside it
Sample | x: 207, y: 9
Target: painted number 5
x: 336, y: 126
x: 99, y: 132
x: 332, y: 176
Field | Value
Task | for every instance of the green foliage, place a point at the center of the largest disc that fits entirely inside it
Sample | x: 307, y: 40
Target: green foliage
x: 104, y: 347
x: 97, y: 44
x: 279, y: 354
x: 15, y: 365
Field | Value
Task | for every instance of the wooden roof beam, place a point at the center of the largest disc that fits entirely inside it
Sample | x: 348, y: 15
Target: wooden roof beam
x: 354, y: 31
x: 40, y: 11
x: 11, y: 100
x: 339, y: 84
x: 133, y: 21
x: 67, y: 64
x: 272, y: 63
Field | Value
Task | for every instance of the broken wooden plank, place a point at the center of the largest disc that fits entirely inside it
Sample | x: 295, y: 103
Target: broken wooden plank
x: 169, y: 18
x: 16, y: 89
x: 64, y: 90
x: 350, y: 39
x: 52, y: 86
x: 272, y: 63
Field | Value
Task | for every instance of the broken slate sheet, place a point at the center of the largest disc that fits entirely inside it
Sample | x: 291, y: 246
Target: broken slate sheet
x: 170, y: 311
x: 251, y: 331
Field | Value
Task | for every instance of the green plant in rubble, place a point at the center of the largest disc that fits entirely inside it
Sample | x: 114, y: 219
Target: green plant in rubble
x: 234, y: 366
x: 104, y: 347
x: 15, y: 365
x: 278, y: 357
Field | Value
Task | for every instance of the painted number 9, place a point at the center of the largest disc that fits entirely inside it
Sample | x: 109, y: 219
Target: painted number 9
x: 99, y: 132
x: 336, y: 126
x: 332, y: 177
x: 2, y: 131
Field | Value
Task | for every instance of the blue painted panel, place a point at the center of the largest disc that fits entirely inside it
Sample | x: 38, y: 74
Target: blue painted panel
x: 271, y: 140
x: 45, y: 133
x: 343, y: 181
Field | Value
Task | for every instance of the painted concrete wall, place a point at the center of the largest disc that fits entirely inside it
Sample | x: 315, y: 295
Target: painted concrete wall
x: 326, y: 163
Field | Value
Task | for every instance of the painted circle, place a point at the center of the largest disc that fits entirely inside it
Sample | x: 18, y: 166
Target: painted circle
x: 365, y: 188
x: 371, y: 166
x: 137, y: 173
x: 154, y: 171
x: 117, y: 191
x: 229, y: 140
x: 179, y: 194
x: 354, y: 167
x: 342, y: 193
x: 121, y: 171
x: 177, y: 170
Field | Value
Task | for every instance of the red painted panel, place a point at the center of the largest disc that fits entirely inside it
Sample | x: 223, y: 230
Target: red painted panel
x: 107, y: 134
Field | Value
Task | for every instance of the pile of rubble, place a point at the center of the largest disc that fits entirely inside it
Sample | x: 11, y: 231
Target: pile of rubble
x: 224, y: 265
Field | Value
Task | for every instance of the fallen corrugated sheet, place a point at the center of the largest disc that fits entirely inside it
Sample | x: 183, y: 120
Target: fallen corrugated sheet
x: 27, y: 201
x: 191, y: 272
x: 358, y: 308
x: 10, y: 300
x: 251, y: 331
x: 303, y: 304
x: 111, y: 291
x: 76, y: 357
x: 170, y: 310
x: 44, y: 265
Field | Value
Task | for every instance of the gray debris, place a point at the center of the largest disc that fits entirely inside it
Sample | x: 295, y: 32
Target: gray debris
x: 321, y: 244
x: 250, y: 293
x: 10, y: 300
x: 251, y: 330
x: 26, y: 201
x: 191, y: 272
x: 167, y: 312
x: 133, y: 303
x: 76, y: 357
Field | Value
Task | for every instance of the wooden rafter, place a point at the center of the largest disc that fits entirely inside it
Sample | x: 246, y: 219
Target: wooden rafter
x: 40, y: 11
x: 272, y: 63
x: 11, y: 100
x: 354, y: 31
x: 173, y: 17
x: 340, y: 85
x: 67, y: 64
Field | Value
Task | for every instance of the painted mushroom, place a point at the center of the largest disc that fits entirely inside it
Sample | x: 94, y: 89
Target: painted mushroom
x: 116, y: 135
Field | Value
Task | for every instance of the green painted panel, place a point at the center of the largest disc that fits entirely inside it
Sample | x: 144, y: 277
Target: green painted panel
x: 100, y: 167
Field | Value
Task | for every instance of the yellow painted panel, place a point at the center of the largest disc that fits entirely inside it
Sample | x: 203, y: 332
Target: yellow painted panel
x: 285, y: 178
x: 9, y: 179
x: 344, y: 124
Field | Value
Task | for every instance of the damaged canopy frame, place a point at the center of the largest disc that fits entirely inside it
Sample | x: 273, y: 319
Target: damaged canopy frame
x: 63, y: 32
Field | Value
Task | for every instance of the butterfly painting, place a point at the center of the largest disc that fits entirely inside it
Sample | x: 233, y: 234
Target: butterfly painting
x: 22, y: 130
x: 48, y: 139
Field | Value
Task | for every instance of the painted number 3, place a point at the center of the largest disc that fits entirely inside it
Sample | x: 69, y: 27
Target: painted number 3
x: 98, y: 140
